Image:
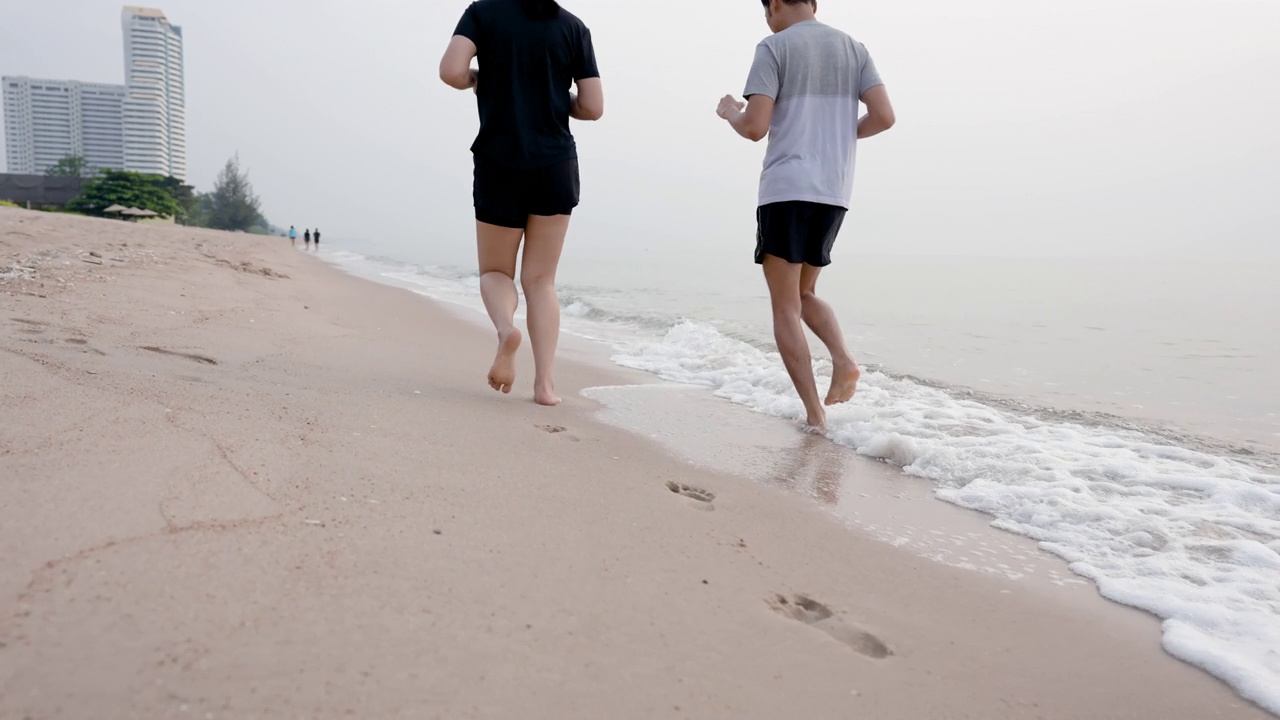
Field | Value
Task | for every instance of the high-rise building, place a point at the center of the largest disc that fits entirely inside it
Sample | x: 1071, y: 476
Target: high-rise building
x: 139, y: 126
x: 47, y: 120
x: 155, y: 110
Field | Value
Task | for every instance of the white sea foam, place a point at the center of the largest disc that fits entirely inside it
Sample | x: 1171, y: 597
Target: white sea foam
x: 578, y: 309
x: 1190, y: 537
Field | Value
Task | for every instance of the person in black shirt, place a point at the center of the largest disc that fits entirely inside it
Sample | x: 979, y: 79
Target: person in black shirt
x: 531, y: 53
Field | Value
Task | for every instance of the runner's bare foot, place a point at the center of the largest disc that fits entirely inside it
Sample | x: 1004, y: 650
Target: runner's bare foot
x: 816, y: 424
x: 545, y: 394
x: 503, y: 373
x: 844, y: 383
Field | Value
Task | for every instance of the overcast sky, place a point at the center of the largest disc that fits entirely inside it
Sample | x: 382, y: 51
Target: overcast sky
x: 1126, y: 127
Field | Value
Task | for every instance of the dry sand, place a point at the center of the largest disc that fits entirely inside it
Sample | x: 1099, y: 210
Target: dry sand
x: 238, y: 483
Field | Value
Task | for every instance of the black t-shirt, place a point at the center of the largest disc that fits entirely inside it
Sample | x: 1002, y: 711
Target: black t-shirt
x: 527, y: 68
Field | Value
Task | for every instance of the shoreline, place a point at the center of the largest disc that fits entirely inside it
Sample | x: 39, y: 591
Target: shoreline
x: 1214, y: 431
x: 244, y: 483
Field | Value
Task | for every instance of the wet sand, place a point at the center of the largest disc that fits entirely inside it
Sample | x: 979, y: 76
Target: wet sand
x: 240, y: 484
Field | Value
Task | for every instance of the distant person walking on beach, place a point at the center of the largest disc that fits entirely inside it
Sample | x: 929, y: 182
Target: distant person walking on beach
x: 526, y: 181
x: 315, y: 237
x: 306, y: 237
x: 803, y: 92
x: 293, y: 236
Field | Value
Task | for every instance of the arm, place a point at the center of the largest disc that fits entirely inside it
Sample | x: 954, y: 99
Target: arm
x: 588, y: 102
x: 751, y: 119
x: 455, y: 66
x: 751, y: 122
x: 879, y: 115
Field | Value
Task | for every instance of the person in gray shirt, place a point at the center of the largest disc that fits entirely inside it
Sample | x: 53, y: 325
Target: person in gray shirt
x: 803, y: 93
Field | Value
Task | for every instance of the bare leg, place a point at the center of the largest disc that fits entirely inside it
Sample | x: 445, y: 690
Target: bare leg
x: 544, y: 240
x: 821, y: 319
x: 497, y: 248
x: 788, y: 332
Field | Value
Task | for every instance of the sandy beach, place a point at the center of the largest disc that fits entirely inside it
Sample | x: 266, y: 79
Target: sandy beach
x: 239, y: 483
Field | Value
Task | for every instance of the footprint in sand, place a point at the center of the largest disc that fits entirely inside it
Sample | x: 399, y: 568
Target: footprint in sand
x: 556, y: 430
x: 703, y: 497
x: 83, y: 346
x: 186, y: 356
x: 31, y: 327
x: 816, y: 615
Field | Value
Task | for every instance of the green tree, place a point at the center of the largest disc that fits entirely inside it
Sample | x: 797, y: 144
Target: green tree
x: 131, y: 189
x: 201, y: 210
x: 70, y: 166
x: 184, y: 195
x: 233, y: 204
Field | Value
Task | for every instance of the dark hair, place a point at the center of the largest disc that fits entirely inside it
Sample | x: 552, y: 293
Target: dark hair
x: 541, y: 9
x: 788, y: 2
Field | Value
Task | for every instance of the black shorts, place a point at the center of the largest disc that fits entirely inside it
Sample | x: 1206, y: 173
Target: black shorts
x: 798, y: 232
x: 506, y: 197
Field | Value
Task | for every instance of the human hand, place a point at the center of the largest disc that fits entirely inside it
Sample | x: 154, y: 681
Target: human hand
x: 728, y: 104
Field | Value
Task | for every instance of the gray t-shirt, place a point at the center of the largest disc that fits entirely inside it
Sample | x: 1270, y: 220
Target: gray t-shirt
x: 816, y: 76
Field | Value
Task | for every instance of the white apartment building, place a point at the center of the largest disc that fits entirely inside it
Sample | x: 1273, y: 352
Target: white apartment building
x: 139, y: 126
x: 47, y: 120
x: 155, y: 109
